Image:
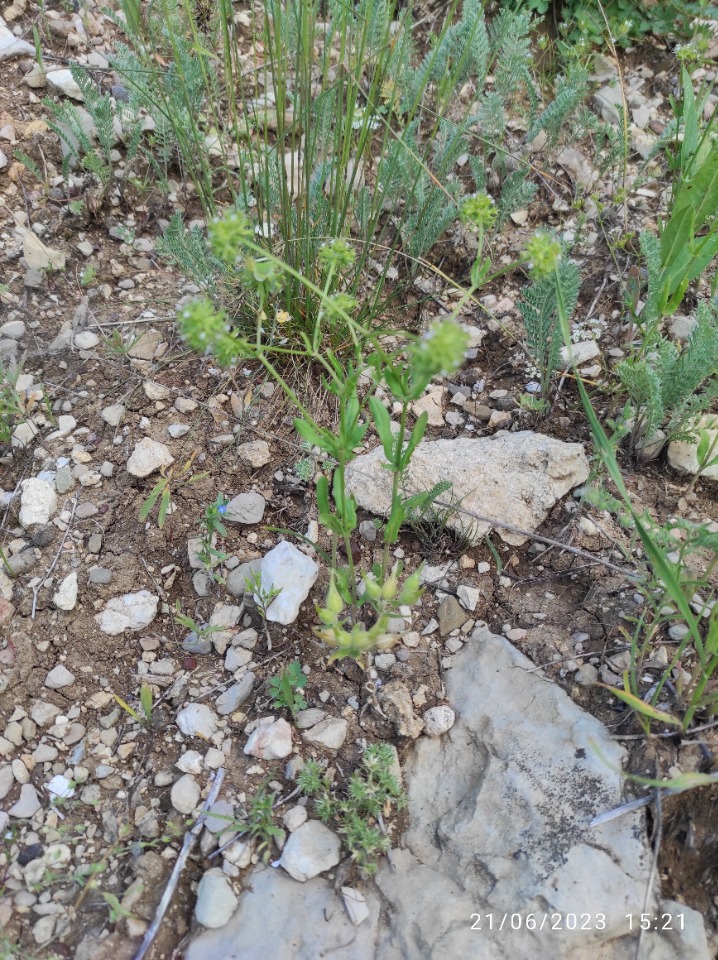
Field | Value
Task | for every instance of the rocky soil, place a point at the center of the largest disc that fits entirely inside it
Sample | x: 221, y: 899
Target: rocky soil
x: 505, y: 746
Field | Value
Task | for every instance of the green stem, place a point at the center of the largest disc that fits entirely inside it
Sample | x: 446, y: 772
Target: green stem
x: 396, y: 469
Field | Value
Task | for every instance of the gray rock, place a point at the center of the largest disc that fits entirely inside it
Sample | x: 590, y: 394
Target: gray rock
x: 177, y: 430
x: 113, y: 415
x: 395, y: 700
x: 683, y: 454
x: 202, y: 582
x: 22, y: 562
x: 225, y: 615
x: 132, y: 611
x: 27, y: 804
x: 59, y: 677
x: 148, y: 456
x: 6, y: 780
x: 100, y: 575
x: 38, y: 502
x: 235, y: 696
x: 576, y: 164
x: 512, y: 477
x: 294, y: 818
x: 64, y: 481
x: 237, y: 579
x: 197, y: 719
x: 270, y: 740
x: 681, y: 326
x: 216, y: 900
x: 44, y: 713
x: 468, y: 596
x: 451, y: 615
x: 287, y: 569
x: 609, y: 101
x: 330, y: 733
x: 586, y: 675
x: 246, y: 508
x: 458, y: 856
x: 43, y: 534
x: 63, y: 82
x: 311, y: 922
x: 94, y: 543
x: 220, y: 816
x: 185, y: 794
x: 15, y: 329
x: 310, y: 850
x: 193, y: 643
x: 86, y: 340
x: 580, y: 353
x: 65, y: 597
x: 255, y: 453
x: 12, y: 46
x: 438, y: 720
x: 236, y: 658
x: 367, y: 529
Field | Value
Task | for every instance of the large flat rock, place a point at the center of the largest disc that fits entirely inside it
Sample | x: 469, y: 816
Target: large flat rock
x: 512, y: 477
x: 500, y: 810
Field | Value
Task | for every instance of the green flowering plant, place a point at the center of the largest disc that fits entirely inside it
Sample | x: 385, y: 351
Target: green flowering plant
x: 404, y: 373
x: 481, y: 214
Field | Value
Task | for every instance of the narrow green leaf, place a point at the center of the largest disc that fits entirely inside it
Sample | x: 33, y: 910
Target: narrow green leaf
x: 146, y: 701
x: 146, y: 507
x: 128, y: 708
x: 165, y: 503
x: 382, y: 423
x: 417, y: 434
x: 640, y: 706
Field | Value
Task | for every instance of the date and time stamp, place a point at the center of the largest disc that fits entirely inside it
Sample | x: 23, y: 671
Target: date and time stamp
x: 573, y: 921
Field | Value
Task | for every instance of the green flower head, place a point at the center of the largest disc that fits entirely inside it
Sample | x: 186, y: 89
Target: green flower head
x: 262, y: 274
x: 337, y: 254
x: 543, y: 253
x: 337, y: 305
x: 207, y: 331
x: 440, y: 351
x: 228, y: 234
x: 480, y: 211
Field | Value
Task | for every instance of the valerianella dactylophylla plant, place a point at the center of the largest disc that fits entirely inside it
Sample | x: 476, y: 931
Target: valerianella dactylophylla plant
x: 405, y: 373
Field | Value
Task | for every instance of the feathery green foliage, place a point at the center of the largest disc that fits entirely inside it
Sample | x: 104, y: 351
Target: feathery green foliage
x: 371, y: 789
x: 539, y: 310
x: 340, y: 131
x: 669, y: 387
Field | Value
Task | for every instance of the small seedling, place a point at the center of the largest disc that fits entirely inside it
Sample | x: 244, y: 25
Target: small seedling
x: 145, y: 703
x: 285, y: 688
x: 263, y: 597
x: 260, y: 824
x: 212, y: 524
x: 201, y: 629
x: 171, y: 477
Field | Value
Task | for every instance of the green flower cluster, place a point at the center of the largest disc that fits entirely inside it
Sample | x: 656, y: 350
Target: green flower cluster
x: 440, y: 351
x: 207, y: 331
x: 337, y: 254
x: 543, y: 253
x: 480, y: 211
x: 228, y: 234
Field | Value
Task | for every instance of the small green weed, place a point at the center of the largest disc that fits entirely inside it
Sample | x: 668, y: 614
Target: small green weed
x: 145, y: 702
x: 285, y: 688
x: 172, y: 478
x: 371, y: 792
x: 260, y: 823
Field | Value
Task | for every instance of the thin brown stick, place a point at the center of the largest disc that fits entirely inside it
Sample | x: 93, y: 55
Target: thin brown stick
x: 179, y: 867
